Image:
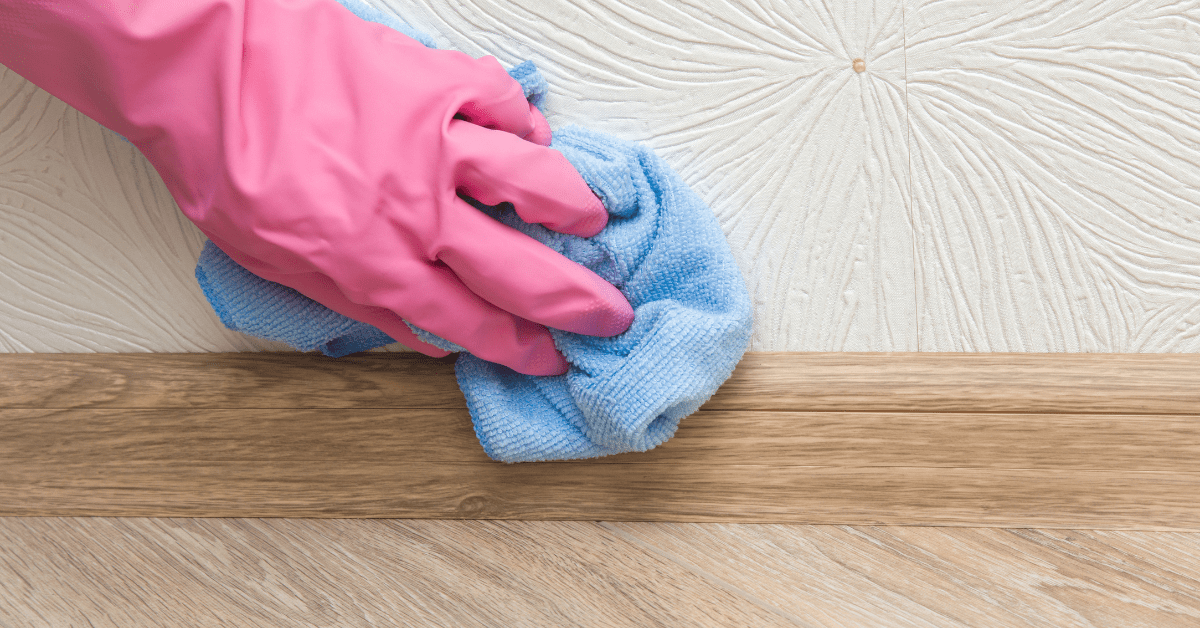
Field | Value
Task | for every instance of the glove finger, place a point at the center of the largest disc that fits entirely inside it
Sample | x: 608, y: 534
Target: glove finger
x: 541, y: 134
x: 525, y: 277
x: 495, y: 167
x: 447, y: 308
x: 498, y: 101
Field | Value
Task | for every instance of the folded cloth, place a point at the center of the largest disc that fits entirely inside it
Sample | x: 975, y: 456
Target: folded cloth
x: 662, y: 248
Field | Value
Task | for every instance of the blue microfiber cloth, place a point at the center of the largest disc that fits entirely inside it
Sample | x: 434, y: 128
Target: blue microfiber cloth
x: 662, y: 248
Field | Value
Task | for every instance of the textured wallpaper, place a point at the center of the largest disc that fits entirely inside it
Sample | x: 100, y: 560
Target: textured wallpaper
x: 1022, y: 178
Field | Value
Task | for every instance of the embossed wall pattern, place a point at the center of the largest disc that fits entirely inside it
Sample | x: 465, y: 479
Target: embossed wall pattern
x: 1020, y: 176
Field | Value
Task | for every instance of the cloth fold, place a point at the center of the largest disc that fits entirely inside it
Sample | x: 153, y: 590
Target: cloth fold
x: 664, y: 250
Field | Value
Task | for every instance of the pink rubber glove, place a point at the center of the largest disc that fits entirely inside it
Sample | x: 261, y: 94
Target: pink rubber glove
x: 325, y: 153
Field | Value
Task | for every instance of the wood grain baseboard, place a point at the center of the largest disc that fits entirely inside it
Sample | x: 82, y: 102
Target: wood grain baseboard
x: 1000, y: 440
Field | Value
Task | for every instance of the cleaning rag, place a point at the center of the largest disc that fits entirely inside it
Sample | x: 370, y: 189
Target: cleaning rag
x: 664, y: 250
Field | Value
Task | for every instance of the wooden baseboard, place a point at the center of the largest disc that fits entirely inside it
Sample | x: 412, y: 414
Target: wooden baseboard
x: 1007, y: 440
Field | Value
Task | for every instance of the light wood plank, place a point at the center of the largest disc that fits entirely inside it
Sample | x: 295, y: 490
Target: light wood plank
x: 302, y: 435
x: 294, y: 438
x: 575, y: 491
x: 280, y: 572
x: 918, y: 576
x: 287, y: 437
x: 227, y: 380
x: 823, y: 382
x: 132, y: 573
x: 1078, y: 442
x: 964, y: 382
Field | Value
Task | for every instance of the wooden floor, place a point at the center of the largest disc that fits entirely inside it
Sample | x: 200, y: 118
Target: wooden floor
x: 1018, y: 440
x: 131, y: 573
x: 952, y: 490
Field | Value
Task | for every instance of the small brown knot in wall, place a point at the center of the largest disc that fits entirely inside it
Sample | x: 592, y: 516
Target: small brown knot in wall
x: 860, y: 65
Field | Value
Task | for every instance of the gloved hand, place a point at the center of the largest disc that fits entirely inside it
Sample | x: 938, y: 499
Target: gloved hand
x: 326, y: 153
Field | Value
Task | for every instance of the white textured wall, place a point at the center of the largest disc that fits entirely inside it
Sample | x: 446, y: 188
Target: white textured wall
x: 1055, y: 163
x: 1022, y: 178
